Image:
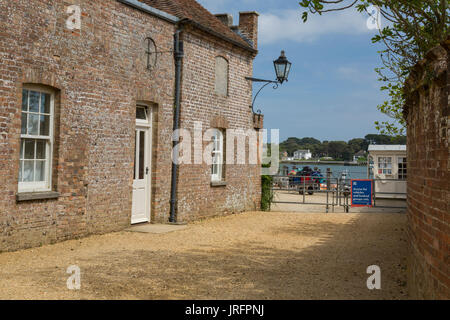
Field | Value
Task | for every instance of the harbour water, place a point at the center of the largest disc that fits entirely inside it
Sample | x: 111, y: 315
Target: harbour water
x: 354, y: 172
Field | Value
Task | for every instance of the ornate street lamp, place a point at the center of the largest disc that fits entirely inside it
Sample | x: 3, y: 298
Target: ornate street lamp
x: 282, y: 68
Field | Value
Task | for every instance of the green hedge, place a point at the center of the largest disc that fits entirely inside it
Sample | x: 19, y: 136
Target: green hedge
x: 266, y: 192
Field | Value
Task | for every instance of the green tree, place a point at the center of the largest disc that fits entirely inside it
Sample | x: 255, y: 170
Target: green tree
x: 378, y: 139
x: 339, y: 150
x: 384, y: 139
x: 398, y: 140
x: 358, y: 144
x: 293, y: 144
x: 413, y: 27
x: 309, y: 141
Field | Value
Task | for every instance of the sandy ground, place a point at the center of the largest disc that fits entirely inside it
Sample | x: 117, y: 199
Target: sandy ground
x: 246, y: 256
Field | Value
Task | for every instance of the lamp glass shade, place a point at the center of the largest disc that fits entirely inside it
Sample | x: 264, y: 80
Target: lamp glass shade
x: 282, y: 68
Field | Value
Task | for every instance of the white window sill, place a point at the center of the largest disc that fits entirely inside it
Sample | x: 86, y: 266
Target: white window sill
x: 218, y: 184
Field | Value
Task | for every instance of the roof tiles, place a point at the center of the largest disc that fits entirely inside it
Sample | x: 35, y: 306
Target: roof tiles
x: 192, y: 10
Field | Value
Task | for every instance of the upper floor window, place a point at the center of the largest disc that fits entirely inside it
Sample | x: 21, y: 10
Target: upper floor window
x: 36, y: 140
x: 384, y: 165
x: 221, y: 86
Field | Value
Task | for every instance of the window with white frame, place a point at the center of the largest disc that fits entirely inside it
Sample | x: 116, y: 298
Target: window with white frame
x: 217, y: 154
x: 142, y: 113
x: 36, y: 140
x: 402, y: 168
x: 384, y: 165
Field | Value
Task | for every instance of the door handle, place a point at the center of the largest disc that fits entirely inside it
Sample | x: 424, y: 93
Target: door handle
x: 146, y: 170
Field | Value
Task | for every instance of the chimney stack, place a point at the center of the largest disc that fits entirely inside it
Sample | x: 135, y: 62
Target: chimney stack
x: 227, y: 19
x: 248, y: 25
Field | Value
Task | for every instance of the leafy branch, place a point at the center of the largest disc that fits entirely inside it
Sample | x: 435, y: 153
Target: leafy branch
x: 413, y: 28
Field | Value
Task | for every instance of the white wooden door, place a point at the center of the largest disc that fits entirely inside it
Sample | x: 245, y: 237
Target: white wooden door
x: 142, y: 174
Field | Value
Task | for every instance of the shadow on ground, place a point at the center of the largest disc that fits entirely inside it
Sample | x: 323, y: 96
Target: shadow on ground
x: 299, y: 259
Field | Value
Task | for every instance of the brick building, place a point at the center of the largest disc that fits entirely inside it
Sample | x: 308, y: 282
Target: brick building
x: 87, y: 115
x: 428, y: 117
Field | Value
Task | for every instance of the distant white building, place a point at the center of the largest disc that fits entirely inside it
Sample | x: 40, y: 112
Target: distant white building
x: 302, y: 155
x: 389, y: 169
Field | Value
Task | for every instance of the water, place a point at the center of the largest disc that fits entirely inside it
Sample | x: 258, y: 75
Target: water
x: 354, y: 172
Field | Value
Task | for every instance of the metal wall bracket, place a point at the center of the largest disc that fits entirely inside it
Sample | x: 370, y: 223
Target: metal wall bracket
x: 267, y: 82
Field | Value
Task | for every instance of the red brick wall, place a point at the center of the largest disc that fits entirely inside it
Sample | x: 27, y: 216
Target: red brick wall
x: 99, y: 78
x: 428, y: 116
x: 99, y: 74
x: 196, y: 197
x: 248, y: 25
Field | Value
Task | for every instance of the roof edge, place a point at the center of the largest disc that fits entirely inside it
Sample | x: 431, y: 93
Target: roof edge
x: 150, y: 10
x: 175, y: 20
x: 387, y: 147
x: 249, y: 12
x: 219, y: 35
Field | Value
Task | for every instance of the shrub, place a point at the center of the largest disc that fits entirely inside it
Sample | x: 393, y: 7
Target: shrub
x: 266, y: 192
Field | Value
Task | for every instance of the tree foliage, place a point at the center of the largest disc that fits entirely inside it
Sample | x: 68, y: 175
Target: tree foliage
x: 338, y: 150
x: 410, y: 28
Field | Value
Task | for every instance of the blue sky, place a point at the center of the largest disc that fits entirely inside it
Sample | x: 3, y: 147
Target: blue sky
x: 333, y: 92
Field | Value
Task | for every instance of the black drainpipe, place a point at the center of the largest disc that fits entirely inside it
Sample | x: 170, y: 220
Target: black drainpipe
x: 178, y: 54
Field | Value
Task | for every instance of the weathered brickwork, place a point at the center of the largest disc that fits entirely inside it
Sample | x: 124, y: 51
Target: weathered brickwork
x: 428, y: 118
x: 98, y: 74
x: 248, y: 25
x: 201, y: 103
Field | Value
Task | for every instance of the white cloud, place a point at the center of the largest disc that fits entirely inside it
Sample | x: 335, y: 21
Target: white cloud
x: 287, y: 25
x: 358, y: 74
x: 225, y: 6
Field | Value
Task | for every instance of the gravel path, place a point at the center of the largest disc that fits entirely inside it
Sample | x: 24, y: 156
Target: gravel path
x: 247, y: 256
